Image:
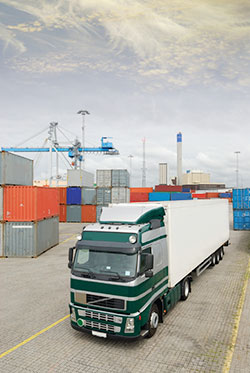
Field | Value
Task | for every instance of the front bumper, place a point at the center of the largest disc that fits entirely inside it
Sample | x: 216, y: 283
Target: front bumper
x: 112, y: 324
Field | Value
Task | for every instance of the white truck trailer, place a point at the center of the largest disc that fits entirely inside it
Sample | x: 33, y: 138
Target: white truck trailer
x: 130, y: 269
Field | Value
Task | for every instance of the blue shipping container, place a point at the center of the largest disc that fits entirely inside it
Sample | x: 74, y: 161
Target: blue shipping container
x: 224, y: 195
x: 159, y: 196
x: 180, y: 196
x: 74, y: 196
x: 241, y: 220
x: 241, y: 198
x: 186, y: 190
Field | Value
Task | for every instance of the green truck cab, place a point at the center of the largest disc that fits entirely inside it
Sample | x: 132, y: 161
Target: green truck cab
x: 120, y: 273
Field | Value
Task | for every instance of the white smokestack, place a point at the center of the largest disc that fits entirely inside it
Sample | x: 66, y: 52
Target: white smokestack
x: 179, y: 158
x: 163, y: 173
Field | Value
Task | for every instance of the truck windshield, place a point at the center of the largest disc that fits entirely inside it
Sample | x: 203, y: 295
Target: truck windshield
x: 116, y: 266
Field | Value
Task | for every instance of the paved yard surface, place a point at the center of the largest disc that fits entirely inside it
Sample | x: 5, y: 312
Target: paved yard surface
x: 210, y: 332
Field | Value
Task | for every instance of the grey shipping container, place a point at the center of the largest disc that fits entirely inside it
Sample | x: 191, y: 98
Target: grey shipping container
x: 103, y: 178
x: 98, y: 211
x: 120, y: 178
x: 88, y: 196
x: 74, y: 214
x: 30, y: 239
x: 15, y: 170
x: 79, y: 178
x: 103, y: 196
x: 1, y: 203
x: 120, y: 195
x: 1, y: 238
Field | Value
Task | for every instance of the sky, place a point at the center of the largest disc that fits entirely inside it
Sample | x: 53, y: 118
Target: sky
x: 143, y: 69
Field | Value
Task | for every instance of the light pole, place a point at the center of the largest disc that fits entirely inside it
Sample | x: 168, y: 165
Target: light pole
x: 83, y: 113
x: 237, y: 168
x: 130, y: 167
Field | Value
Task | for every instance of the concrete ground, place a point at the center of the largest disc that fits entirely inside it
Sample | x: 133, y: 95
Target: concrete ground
x: 210, y: 332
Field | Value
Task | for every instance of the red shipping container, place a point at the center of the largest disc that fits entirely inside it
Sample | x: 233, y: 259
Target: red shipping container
x: 168, y: 188
x: 30, y: 203
x: 199, y: 195
x: 62, y: 195
x: 141, y: 190
x: 88, y: 213
x: 138, y: 197
x: 62, y: 213
x: 212, y: 195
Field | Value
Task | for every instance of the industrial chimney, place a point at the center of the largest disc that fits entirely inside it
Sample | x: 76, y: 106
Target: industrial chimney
x: 179, y: 158
x: 163, y: 173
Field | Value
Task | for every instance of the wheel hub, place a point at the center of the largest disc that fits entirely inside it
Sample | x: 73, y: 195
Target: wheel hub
x: 154, y: 320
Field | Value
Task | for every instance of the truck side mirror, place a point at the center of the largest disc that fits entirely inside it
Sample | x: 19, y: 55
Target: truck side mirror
x: 71, y: 252
x: 149, y: 262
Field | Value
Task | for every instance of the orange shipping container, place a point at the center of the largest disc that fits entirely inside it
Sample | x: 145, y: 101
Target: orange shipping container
x: 199, y: 195
x: 62, y: 195
x: 30, y: 203
x: 62, y: 213
x: 139, y: 197
x: 88, y: 213
x: 212, y: 195
x: 141, y: 190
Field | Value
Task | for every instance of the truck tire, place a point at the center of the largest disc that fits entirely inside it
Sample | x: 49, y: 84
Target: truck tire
x: 221, y: 254
x: 153, y: 321
x: 217, y: 256
x: 185, y: 289
x: 213, y: 260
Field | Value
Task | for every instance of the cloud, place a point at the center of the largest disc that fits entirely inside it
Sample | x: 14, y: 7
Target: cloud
x: 157, y: 43
x: 9, y: 40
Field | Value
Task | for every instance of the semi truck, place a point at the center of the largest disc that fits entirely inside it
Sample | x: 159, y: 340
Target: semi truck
x: 129, y: 269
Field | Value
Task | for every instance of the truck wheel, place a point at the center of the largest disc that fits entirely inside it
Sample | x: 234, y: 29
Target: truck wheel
x: 221, y: 254
x: 217, y: 257
x: 213, y: 260
x: 153, y: 321
x: 185, y: 289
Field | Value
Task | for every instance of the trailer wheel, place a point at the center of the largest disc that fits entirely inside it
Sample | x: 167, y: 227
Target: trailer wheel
x: 153, y: 321
x: 217, y: 257
x: 213, y: 260
x: 221, y: 254
x: 185, y: 289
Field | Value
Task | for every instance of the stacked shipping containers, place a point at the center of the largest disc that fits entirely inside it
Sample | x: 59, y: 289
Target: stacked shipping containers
x: 112, y: 187
x: 241, y: 209
x: 29, y: 215
x: 78, y: 203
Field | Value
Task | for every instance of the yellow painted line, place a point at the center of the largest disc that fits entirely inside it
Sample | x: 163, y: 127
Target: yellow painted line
x: 33, y: 337
x: 69, y: 238
x: 230, y: 352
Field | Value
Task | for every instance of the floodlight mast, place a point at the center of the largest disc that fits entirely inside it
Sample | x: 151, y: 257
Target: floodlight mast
x: 83, y: 113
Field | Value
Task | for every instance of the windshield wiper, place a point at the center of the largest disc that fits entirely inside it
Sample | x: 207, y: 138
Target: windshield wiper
x: 113, y: 278
x: 89, y: 272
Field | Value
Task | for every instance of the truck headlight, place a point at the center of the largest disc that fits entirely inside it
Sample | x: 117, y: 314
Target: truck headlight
x: 130, y: 325
x: 132, y: 239
x: 79, y: 237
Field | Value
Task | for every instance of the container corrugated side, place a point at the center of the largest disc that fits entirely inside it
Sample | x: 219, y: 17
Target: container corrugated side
x: 103, y: 196
x: 74, y: 213
x: 62, y: 213
x: 28, y: 203
x: 1, y: 203
x: 80, y: 178
x: 103, y: 178
x: 159, y: 196
x: 139, y: 196
x: 89, y: 214
x: 62, y: 195
x: 180, y: 196
x: 88, y: 196
x: 120, y: 195
x: 30, y: 239
x: 120, y: 178
x: 168, y: 188
x: 74, y: 196
x: 141, y: 190
x: 241, y: 220
x: 241, y: 198
x: 15, y: 170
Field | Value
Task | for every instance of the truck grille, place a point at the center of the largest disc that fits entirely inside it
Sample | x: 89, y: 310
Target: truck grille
x: 100, y: 316
x: 103, y: 327
x: 106, y: 302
